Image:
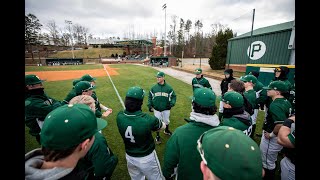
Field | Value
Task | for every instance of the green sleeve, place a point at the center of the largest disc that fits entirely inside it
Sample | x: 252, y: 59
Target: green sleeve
x: 208, y: 85
x: 70, y: 95
x: 171, y: 156
x: 40, y: 109
x: 263, y: 97
x: 102, y: 158
x: 173, y: 98
x: 157, y: 124
x: 292, y: 139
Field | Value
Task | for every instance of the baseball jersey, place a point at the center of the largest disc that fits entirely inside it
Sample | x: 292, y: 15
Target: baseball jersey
x: 251, y: 97
x: 279, y: 110
x: 37, y: 107
x: 242, y: 122
x: 135, y: 129
x: 181, y: 151
x: 100, y: 159
x: 199, y: 83
x: 161, y: 97
x: 292, y: 98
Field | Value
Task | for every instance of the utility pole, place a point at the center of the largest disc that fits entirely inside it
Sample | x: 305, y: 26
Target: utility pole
x: 165, y: 32
x: 71, y: 38
x: 251, y: 34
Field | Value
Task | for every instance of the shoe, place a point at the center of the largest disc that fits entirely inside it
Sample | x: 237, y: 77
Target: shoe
x: 167, y: 132
x: 157, y: 139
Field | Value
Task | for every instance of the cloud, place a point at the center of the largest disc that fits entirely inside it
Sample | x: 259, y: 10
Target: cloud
x: 117, y: 17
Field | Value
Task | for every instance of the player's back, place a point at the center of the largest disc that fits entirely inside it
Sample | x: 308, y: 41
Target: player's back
x: 136, y: 129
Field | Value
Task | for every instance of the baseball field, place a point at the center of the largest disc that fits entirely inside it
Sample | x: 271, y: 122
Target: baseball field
x: 122, y: 76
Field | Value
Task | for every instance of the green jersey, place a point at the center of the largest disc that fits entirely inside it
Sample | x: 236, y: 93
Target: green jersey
x: 242, y: 122
x: 100, y: 159
x: 251, y: 97
x: 70, y: 95
x: 201, y: 82
x: 36, y: 109
x: 161, y: 97
x: 181, y: 151
x: 135, y: 129
x: 279, y: 110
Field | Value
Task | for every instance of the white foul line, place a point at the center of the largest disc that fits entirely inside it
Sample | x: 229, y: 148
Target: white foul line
x: 115, y: 88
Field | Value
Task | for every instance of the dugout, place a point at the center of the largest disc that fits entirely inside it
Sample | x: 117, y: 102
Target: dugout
x: 266, y: 72
x: 63, y: 61
x: 166, y: 61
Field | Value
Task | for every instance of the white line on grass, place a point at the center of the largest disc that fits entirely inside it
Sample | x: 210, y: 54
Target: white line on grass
x: 114, y: 88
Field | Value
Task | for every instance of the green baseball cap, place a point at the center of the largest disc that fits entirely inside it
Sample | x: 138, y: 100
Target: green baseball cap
x: 160, y: 74
x: 87, y: 77
x: 233, y: 98
x: 82, y: 86
x: 68, y: 126
x: 198, y: 71
x: 230, y: 154
x: 74, y: 82
x: 204, y: 97
x: 135, y: 92
x: 249, y: 78
x: 31, y: 79
x: 278, y: 86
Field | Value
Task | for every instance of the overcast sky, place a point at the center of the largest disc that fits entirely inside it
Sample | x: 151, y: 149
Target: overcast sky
x: 106, y: 18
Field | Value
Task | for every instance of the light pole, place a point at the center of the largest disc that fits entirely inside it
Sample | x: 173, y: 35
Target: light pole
x: 70, y: 22
x: 165, y: 32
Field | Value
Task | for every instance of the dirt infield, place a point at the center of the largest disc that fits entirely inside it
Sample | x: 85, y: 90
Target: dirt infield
x: 74, y: 74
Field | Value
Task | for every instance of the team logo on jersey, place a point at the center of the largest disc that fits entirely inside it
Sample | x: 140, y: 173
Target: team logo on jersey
x: 257, y: 50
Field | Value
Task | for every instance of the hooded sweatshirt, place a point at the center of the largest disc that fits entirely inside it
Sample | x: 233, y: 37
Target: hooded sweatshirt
x: 242, y: 121
x: 33, y: 162
x: 181, y: 148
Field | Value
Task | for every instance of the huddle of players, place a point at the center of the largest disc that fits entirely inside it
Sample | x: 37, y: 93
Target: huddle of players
x: 278, y: 102
x: 135, y: 128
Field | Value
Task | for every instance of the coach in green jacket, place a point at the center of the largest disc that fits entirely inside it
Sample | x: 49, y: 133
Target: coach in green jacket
x: 37, y: 104
x: 200, y: 81
x: 161, y: 98
x: 181, y: 149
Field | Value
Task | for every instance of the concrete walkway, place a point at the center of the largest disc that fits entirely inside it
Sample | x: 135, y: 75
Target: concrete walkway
x: 187, y: 77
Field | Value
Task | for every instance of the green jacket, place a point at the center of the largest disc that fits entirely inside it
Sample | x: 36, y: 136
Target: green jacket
x: 37, y: 107
x: 161, y: 97
x: 70, y: 95
x: 251, y: 97
x: 258, y: 86
x: 136, y: 129
x: 181, y: 151
x: 243, y: 122
x: 201, y: 82
x: 100, y: 159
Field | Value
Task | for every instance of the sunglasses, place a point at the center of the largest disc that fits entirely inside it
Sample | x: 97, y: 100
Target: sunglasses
x: 200, y: 149
x: 277, y: 70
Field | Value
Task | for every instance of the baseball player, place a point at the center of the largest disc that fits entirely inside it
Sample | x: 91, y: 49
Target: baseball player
x: 66, y: 136
x: 37, y: 104
x: 180, y: 151
x: 224, y: 85
x: 278, y: 111
x: 200, y: 81
x: 99, y: 106
x: 258, y: 87
x: 160, y: 100
x: 286, y: 138
x: 135, y: 128
x: 234, y: 114
x: 100, y: 160
x: 249, y: 83
x: 227, y: 153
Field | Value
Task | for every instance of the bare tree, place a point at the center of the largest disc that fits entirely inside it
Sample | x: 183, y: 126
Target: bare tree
x: 53, y: 31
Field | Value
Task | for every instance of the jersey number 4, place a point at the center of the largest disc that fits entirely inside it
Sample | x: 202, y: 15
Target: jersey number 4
x: 128, y: 134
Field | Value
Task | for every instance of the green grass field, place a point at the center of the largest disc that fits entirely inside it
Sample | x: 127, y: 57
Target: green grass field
x: 130, y: 75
